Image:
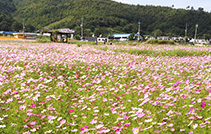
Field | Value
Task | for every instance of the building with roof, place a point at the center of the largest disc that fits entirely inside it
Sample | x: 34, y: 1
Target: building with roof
x: 7, y: 33
x: 121, y: 37
x: 59, y: 34
x: 25, y: 35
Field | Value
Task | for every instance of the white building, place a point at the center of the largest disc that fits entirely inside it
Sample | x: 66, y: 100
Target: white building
x: 198, y: 40
x: 121, y: 37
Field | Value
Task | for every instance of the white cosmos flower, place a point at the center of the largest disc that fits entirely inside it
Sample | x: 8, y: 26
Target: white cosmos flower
x: 74, y: 130
x: 149, y: 120
x: 33, y: 130
x: 96, y: 111
x: 99, y: 126
x: 2, y: 126
x: 195, y: 126
x: 50, y: 121
x: 107, y: 114
x: 49, y: 131
x: 59, y: 118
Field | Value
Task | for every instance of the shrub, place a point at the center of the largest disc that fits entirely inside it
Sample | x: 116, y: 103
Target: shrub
x: 43, y: 40
x: 79, y: 44
x: 156, y: 41
x: 77, y: 37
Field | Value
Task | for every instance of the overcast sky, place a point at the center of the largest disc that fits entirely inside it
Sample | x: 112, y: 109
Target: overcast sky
x: 206, y: 4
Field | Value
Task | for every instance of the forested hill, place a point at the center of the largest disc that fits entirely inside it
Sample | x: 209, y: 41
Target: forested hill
x: 7, y: 7
x: 107, y: 17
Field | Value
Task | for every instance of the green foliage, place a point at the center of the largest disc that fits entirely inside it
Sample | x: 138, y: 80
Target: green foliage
x: 132, y: 37
x: 77, y: 37
x: 157, y: 33
x: 7, y: 23
x: 7, y: 7
x: 156, y: 41
x: 79, y: 44
x: 43, y: 40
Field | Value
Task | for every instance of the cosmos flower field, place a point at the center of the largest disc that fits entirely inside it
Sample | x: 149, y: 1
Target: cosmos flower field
x: 63, y: 88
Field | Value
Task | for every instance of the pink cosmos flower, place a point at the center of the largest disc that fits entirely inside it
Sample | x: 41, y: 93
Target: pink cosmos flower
x: 60, y: 99
x: 43, y: 116
x: 85, y: 127
x: 126, y: 117
x: 172, y: 129
x: 135, y: 130
x: 42, y: 103
x: 182, y: 129
x: 33, y: 105
x: 119, y: 124
x: 127, y: 125
x: 175, y: 84
x: 22, y: 107
x: 33, y: 123
x: 183, y: 96
x: 26, y: 119
x: 203, y: 105
x: 93, y: 121
x: 27, y: 132
x: 50, y: 117
x: 192, y: 110
x: 118, y: 98
x: 118, y: 131
x: 70, y: 111
x: 140, y: 114
x: 104, y: 99
x: 29, y: 111
x: 157, y: 131
x: 63, y: 122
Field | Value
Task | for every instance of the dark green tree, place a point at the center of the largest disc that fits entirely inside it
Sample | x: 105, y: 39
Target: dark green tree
x: 157, y: 33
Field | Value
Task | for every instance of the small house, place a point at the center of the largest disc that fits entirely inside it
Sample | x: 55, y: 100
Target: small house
x: 121, y: 37
x: 25, y: 35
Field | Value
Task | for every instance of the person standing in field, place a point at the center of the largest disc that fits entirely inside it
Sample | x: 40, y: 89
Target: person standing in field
x: 104, y: 42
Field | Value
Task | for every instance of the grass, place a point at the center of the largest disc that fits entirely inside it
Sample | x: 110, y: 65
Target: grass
x: 43, y: 40
x: 155, y: 53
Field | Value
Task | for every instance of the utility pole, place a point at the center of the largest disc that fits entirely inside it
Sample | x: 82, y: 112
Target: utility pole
x: 139, y: 25
x: 186, y: 31
x: 23, y: 26
x: 82, y: 21
x: 195, y: 33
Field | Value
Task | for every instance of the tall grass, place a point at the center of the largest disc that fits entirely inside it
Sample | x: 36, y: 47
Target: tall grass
x: 149, y: 52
